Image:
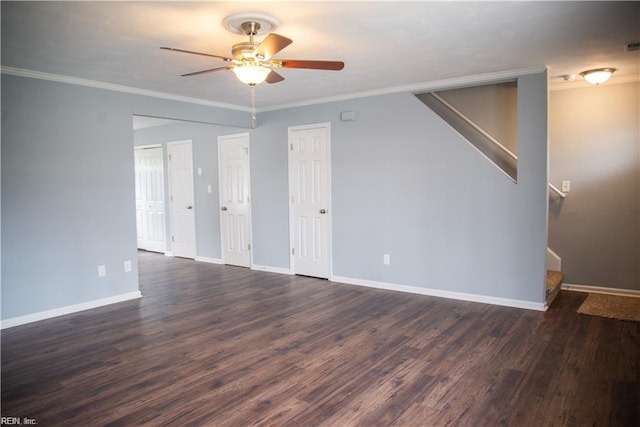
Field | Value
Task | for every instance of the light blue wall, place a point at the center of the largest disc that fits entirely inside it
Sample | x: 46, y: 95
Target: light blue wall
x: 405, y: 184
x: 67, y: 190
x: 204, y: 139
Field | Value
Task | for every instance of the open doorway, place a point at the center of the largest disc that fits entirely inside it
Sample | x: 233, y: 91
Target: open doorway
x: 156, y: 135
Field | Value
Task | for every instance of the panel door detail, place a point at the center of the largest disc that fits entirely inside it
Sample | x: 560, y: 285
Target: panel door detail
x: 235, y: 200
x: 310, y: 197
x: 183, y: 239
x: 150, y: 215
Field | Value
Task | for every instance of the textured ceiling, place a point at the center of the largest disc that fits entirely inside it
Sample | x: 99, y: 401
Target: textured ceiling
x: 383, y: 44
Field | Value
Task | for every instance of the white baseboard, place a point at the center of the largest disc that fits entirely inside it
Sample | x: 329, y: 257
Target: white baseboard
x: 21, y: 320
x: 266, y: 268
x: 209, y: 260
x: 529, y: 305
x: 601, y: 290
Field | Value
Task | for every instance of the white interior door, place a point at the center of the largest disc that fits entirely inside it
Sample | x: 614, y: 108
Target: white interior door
x: 235, y: 199
x: 183, y: 236
x: 309, y: 187
x: 150, y: 216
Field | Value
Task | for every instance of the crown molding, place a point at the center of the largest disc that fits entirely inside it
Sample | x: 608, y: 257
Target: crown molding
x: 417, y: 87
x: 117, y: 88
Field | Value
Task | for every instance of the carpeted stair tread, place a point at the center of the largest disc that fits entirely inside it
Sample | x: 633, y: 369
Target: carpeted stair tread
x: 554, y: 280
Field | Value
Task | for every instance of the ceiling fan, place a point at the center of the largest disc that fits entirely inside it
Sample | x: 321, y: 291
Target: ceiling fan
x: 253, y: 62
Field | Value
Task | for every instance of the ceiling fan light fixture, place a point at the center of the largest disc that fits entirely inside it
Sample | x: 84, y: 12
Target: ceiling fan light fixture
x: 251, y: 74
x: 597, y: 76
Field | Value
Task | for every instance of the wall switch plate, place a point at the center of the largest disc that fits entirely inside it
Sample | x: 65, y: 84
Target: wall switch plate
x: 566, y: 186
x: 209, y: 188
x: 102, y: 270
x: 199, y: 171
x: 386, y: 259
x: 127, y: 266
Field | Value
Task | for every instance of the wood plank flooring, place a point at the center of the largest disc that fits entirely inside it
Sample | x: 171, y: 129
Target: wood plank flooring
x: 225, y: 346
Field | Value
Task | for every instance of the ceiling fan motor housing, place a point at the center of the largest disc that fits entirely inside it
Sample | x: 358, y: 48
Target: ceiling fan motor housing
x: 244, y: 50
x: 251, y: 28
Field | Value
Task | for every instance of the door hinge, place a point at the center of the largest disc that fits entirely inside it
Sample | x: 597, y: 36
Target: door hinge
x: 173, y: 239
x: 293, y: 251
x: 169, y: 157
x: 249, y: 246
x: 291, y: 145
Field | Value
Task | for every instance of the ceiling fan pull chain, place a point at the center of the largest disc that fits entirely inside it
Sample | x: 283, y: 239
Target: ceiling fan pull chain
x: 253, y: 105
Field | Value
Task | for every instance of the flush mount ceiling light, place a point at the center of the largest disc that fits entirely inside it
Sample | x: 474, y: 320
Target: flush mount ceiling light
x: 597, y: 76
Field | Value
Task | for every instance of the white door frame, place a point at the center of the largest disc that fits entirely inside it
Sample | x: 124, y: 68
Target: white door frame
x: 290, y: 130
x: 171, y: 219
x: 250, y: 219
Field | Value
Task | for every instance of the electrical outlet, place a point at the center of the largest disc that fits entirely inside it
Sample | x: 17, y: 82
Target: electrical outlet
x: 102, y: 270
x: 127, y: 266
x: 209, y: 188
x: 199, y: 171
x: 566, y: 186
x: 386, y: 259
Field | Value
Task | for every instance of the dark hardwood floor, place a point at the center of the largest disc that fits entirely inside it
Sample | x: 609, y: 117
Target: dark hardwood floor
x: 226, y: 346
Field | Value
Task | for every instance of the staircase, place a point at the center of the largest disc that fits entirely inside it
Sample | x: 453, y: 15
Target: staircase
x: 493, y: 150
x: 554, y: 280
x: 504, y: 159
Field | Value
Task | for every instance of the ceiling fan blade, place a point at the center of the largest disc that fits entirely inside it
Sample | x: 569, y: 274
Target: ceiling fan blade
x: 314, y: 65
x: 274, y: 77
x: 197, y: 53
x: 271, y: 45
x: 210, y: 70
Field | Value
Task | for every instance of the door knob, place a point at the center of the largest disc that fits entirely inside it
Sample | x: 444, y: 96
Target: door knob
x: 323, y: 211
x: 189, y: 207
x: 224, y: 208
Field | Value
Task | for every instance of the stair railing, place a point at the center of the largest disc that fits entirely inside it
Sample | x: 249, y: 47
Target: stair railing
x: 488, y: 137
x: 475, y: 126
x: 503, y: 159
x: 557, y: 191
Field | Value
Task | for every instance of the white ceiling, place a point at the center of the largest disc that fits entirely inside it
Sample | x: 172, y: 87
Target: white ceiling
x: 383, y: 44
